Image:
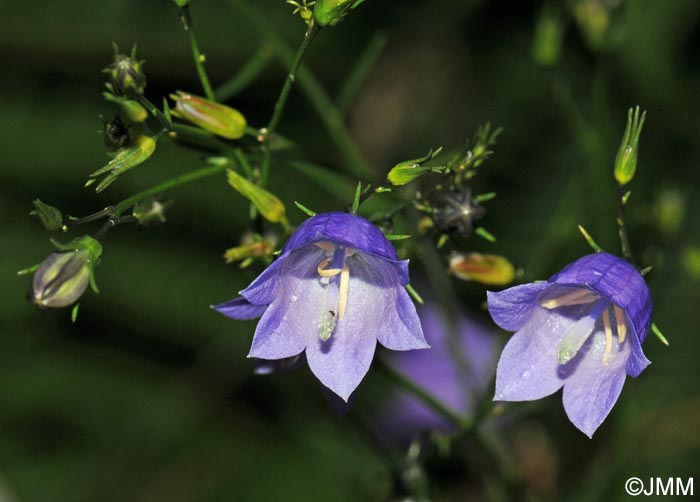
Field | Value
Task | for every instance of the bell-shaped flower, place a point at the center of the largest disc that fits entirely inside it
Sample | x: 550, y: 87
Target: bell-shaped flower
x: 336, y: 289
x: 581, y: 330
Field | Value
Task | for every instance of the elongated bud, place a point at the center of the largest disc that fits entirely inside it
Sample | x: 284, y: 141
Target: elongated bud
x: 126, y: 77
x: 49, y: 216
x: 407, y: 171
x: 63, y: 276
x: 330, y: 12
x: 626, y: 160
x: 488, y: 269
x: 137, y: 152
x: 130, y: 109
x: 270, y: 207
x: 214, y: 117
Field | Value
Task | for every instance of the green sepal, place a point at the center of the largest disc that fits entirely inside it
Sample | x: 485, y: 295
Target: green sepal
x: 137, y: 152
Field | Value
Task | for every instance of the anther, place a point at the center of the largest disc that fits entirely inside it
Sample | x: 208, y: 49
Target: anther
x: 576, y: 297
x: 343, y: 291
x: 323, y: 272
x: 621, y: 324
x: 608, y: 335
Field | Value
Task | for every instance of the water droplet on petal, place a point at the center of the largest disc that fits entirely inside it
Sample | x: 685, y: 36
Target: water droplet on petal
x: 293, y: 298
x: 525, y: 375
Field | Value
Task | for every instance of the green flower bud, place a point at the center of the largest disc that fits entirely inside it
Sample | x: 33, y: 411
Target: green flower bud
x: 126, y: 77
x: 137, y: 152
x: 130, y: 109
x: 269, y: 206
x: 626, y: 159
x: 407, y: 171
x: 49, y: 216
x: 181, y: 3
x: 330, y: 12
x: 63, y: 276
x: 214, y: 117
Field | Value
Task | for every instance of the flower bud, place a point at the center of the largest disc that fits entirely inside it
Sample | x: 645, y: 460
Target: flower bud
x: 407, y: 171
x: 488, y: 269
x: 63, y: 276
x: 214, y: 117
x: 130, y: 109
x: 181, y: 3
x: 49, y: 216
x: 330, y: 12
x: 137, y: 152
x: 626, y: 159
x: 269, y: 206
x: 126, y: 77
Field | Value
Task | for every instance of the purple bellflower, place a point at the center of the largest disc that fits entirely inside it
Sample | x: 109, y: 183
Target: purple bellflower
x: 581, y: 330
x: 456, y: 371
x: 336, y: 289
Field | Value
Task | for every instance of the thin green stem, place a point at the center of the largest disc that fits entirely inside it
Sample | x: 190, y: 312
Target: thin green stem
x: 426, y: 397
x: 125, y: 204
x: 155, y: 111
x: 282, y: 101
x: 198, y: 57
x: 622, y: 228
x: 325, y: 107
x: 108, y: 211
x: 245, y: 76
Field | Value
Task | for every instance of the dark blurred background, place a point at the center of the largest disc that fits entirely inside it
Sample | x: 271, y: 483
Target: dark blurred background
x: 149, y: 396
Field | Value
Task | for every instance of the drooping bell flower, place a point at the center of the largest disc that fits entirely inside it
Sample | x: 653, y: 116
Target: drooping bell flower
x: 581, y: 330
x: 336, y: 289
x: 456, y: 370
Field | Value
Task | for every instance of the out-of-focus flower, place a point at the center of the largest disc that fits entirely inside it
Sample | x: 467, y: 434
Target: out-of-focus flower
x: 63, y: 276
x: 336, y: 289
x: 214, y: 117
x: 126, y: 77
x: 581, y: 330
x: 484, y: 268
x: 456, y: 370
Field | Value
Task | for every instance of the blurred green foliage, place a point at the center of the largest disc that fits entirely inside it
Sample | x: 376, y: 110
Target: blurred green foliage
x: 150, y: 397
